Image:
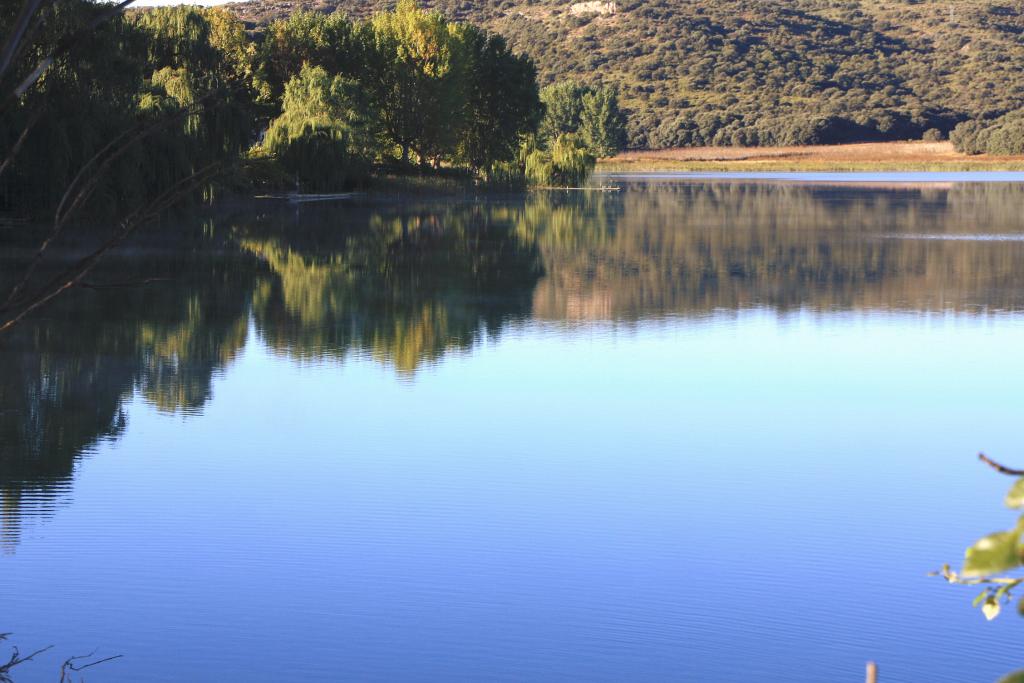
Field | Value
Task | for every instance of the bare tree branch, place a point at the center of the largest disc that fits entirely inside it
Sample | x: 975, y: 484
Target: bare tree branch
x: 74, y: 275
x: 69, y: 667
x: 1000, y: 468
x: 16, y: 659
x: 20, y: 142
x: 123, y: 285
x: 88, y: 179
x: 66, y: 669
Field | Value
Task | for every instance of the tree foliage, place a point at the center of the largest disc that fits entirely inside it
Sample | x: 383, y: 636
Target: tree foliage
x: 749, y: 72
x: 563, y: 162
x: 189, y: 87
x: 502, y: 102
x: 418, y: 76
x: 602, y: 123
x: 591, y: 114
x: 1002, y: 135
x: 169, y: 86
x: 329, y: 41
x: 580, y: 124
x: 324, y: 135
x: 440, y: 93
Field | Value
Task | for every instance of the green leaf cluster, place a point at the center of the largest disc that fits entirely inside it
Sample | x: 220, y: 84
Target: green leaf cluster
x: 988, y: 560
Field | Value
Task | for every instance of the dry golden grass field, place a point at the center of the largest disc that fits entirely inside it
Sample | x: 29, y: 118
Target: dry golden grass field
x: 869, y: 156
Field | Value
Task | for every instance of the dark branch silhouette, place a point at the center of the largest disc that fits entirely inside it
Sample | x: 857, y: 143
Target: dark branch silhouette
x: 123, y: 285
x: 1000, y: 468
x: 16, y: 659
x: 74, y: 275
x: 86, y: 181
x: 20, y: 142
x: 69, y: 667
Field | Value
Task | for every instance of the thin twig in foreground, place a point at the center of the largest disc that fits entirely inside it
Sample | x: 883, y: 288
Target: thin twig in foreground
x: 68, y: 667
x: 1000, y: 468
x: 73, y: 276
x: 123, y: 285
x: 15, y: 660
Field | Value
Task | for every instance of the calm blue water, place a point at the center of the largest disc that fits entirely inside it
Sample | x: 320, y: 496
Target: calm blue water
x: 697, y: 430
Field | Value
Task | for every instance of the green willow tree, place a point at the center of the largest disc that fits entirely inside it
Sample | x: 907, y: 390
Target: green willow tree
x: 325, y: 135
x: 199, y: 57
x: 562, y: 162
x: 80, y: 102
x: 112, y: 117
x: 196, y: 90
x: 168, y: 87
x: 580, y: 125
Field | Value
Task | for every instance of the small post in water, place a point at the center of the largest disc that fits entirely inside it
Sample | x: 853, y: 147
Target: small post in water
x: 872, y: 673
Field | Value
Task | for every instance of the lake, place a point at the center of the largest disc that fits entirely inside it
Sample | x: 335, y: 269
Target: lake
x: 706, y: 428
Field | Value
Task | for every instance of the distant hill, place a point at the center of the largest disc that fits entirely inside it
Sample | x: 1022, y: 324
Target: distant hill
x: 753, y: 72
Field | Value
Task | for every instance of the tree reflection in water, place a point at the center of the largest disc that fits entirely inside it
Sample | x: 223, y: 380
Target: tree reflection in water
x: 405, y: 284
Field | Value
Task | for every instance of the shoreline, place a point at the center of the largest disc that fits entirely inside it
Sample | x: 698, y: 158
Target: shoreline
x: 864, y: 157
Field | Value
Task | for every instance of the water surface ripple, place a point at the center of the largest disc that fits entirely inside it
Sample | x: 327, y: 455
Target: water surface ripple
x: 701, y: 429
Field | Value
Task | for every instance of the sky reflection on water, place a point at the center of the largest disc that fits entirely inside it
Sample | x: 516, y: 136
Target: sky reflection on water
x: 692, y: 431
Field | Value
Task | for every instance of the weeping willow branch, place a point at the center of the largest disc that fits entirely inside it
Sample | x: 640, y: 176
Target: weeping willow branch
x: 15, y: 42
x: 74, y: 275
x: 91, y: 172
x: 67, y: 44
x: 88, y: 178
x: 17, y: 36
x: 12, y: 46
x: 1000, y: 468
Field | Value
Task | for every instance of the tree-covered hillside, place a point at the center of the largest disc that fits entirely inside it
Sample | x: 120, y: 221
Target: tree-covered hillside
x: 754, y: 72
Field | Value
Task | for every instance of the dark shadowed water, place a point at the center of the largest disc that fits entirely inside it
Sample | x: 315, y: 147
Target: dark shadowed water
x: 701, y: 429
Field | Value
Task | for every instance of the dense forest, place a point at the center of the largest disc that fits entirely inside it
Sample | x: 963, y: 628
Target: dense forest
x: 118, y: 117
x: 752, y: 72
x: 106, y: 112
